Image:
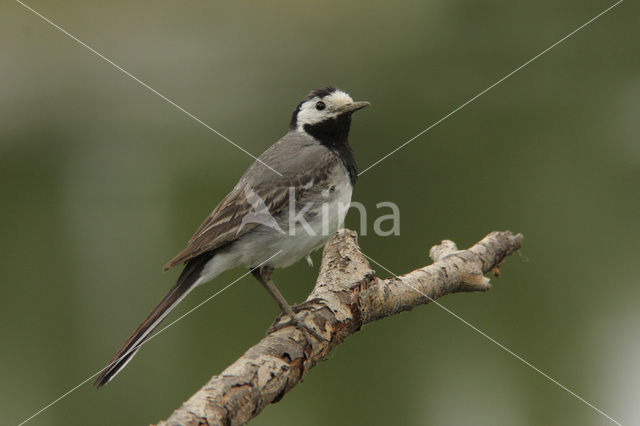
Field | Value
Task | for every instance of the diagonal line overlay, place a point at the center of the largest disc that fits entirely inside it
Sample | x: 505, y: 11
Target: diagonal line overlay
x: 146, y: 86
x: 70, y: 391
x: 500, y: 345
x: 491, y: 87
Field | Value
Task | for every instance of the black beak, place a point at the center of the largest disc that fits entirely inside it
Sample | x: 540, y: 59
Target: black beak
x: 352, y: 107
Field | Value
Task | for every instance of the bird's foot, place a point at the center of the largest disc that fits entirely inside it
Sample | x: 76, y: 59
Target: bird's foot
x: 295, y: 321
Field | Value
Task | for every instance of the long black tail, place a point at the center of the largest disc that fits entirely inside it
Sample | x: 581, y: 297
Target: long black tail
x: 182, y: 287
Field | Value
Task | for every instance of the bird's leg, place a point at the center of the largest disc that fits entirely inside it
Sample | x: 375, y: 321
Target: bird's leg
x: 263, y: 275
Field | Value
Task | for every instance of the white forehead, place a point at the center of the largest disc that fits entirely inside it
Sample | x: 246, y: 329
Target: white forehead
x: 338, y: 98
x: 309, y: 114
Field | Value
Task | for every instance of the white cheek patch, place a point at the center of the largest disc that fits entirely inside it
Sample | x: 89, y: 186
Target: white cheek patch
x: 308, y: 113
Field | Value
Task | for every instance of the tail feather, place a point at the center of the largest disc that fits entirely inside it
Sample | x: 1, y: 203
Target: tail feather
x: 182, y: 287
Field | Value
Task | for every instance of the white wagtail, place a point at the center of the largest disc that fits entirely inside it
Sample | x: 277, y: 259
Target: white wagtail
x: 270, y: 220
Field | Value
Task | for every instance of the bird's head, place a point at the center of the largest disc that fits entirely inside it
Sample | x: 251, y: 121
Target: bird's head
x: 324, y: 105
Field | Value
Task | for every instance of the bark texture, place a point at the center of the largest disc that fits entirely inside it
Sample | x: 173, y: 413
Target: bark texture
x: 346, y: 296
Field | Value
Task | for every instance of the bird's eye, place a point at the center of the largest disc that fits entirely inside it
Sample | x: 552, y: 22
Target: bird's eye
x: 320, y: 106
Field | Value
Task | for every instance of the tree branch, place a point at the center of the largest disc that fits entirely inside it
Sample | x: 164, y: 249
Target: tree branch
x: 347, y: 295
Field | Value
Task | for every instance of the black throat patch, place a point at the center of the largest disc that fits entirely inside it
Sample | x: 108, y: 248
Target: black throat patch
x: 334, y: 133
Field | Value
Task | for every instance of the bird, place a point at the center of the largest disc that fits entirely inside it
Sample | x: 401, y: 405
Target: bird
x: 288, y: 203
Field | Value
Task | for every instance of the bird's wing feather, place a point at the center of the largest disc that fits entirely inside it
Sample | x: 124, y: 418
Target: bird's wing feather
x: 310, y: 165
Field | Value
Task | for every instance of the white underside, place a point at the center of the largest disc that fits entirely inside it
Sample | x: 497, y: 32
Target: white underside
x: 266, y: 246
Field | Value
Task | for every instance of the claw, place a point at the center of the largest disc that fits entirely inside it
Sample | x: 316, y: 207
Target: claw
x: 296, y: 322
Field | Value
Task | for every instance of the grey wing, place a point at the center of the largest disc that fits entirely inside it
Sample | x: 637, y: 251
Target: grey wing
x: 225, y: 223
x: 303, y: 165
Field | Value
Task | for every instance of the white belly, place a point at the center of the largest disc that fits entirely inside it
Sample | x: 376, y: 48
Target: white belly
x: 321, y: 221
x: 266, y: 246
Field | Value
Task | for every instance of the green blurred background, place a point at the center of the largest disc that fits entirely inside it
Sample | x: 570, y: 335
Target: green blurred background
x: 102, y: 182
